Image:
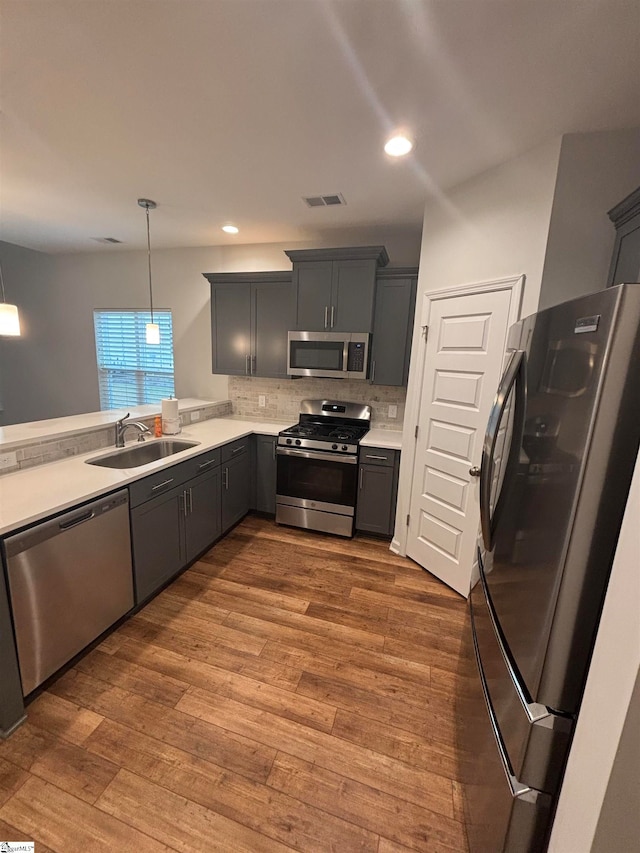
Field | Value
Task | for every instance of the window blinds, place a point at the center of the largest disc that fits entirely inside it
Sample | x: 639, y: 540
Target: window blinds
x: 130, y: 371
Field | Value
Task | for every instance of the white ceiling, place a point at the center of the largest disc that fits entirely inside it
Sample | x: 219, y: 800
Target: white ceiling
x: 231, y: 110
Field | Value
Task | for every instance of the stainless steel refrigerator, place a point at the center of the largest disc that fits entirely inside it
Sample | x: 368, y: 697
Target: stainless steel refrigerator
x: 558, y: 456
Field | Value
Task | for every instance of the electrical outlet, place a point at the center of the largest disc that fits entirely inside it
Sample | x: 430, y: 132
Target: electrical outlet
x: 8, y: 460
x: 393, y: 411
x: 262, y: 401
x: 195, y: 416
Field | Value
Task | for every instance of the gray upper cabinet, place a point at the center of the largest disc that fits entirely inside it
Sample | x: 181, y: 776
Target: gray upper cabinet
x: 335, y: 288
x: 231, y: 328
x: 393, y: 326
x: 250, y: 317
x: 625, y: 262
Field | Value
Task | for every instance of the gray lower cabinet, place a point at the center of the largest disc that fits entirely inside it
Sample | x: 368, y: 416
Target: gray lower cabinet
x: 250, y: 318
x: 202, y: 520
x: 393, y: 326
x: 157, y: 536
x: 171, y: 529
x: 265, y: 450
x: 236, y: 482
x: 377, y: 490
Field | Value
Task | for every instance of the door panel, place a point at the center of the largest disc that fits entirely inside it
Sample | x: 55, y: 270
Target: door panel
x: 231, y: 325
x: 353, y: 288
x: 273, y: 318
x: 202, y: 523
x: 312, y: 280
x: 463, y: 362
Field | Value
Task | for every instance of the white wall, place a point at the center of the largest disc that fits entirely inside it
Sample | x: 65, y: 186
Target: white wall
x: 596, y: 171
x: 493, y: 226
x: 56, y: 374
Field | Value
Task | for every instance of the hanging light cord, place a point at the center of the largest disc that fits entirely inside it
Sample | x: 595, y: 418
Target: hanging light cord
x: 4, y: 298
x: 149, y: 260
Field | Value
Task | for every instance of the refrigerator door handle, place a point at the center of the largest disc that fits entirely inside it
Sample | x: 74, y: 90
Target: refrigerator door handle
x: 515, y: 371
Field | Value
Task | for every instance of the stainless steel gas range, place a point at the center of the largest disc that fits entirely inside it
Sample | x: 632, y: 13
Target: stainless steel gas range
x: 318, y: 466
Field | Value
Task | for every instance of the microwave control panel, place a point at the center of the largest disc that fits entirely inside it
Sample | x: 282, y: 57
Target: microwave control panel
x: 355, y: 359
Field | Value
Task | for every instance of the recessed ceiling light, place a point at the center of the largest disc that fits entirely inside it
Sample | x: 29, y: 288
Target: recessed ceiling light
x: 398, y: 146
x: 230, y: 229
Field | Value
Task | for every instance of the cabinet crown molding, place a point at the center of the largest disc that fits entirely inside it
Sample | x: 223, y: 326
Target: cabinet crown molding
x: 345, y: 253
x: 625, y: 209
x: 247, y: 277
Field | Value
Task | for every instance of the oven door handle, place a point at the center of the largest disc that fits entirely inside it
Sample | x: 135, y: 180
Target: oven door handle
x: 318, y: 454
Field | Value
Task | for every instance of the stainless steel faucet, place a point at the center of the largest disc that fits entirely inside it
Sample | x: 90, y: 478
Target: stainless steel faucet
x: 121, y: 428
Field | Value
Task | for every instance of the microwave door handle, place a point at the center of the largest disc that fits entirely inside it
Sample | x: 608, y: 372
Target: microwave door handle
x: 515, y: 370
x: 345, y: 356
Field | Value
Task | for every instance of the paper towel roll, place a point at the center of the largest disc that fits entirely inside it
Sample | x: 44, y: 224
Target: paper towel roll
x: 170, y: 416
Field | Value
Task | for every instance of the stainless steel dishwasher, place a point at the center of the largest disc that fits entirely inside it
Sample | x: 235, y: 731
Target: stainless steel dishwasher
x: 70, y: 578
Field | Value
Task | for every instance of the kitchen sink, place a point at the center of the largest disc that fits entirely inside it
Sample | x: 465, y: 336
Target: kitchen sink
x: 141, y: 454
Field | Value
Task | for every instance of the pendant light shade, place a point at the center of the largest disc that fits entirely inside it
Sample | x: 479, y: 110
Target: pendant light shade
x: 152, y: 330
x: 9, y: 319
x: 152, y: 333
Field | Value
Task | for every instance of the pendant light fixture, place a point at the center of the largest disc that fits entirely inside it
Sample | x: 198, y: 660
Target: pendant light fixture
x: 9, y: 319
x: 152, y: 329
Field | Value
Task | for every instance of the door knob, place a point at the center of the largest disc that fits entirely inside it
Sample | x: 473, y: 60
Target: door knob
x: 475, y: 471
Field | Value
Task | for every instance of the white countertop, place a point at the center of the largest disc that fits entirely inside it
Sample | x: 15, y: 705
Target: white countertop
x: 35, y: 493
x: 391, y: 439
x: 16, y: 434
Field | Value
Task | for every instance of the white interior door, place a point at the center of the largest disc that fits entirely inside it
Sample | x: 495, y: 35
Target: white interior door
x: 463, y: 363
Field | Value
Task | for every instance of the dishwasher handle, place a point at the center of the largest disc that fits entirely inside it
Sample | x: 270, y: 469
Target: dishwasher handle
x: 79, y: 519
x: 61, y: 524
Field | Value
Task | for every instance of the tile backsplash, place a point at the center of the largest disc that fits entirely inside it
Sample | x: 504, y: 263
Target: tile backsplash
x: 283, y: 396
x: 40, y: 451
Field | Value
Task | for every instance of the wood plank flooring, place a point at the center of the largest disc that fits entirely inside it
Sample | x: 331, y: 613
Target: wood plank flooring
x: 290, y: 691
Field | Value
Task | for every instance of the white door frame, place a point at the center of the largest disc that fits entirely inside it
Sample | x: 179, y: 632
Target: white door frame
x: 416, y: 377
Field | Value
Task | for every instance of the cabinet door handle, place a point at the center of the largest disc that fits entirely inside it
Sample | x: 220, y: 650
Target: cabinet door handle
x: 162, y: 485
x: 237, y: 450
x: 273, y: 447
x: 190, y: 501
x: 326, y: 316
x: 206, y: 464
x: 246, y: 365
x: 225, y: 478
x: 183, y: 503
x: 372, y: 456
x: 333, y: 311
x: 373, y: 372
x: 360, y: 486
x: 253, y: 365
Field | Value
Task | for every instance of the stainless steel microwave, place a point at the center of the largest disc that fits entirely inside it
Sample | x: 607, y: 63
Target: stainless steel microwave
x: 335, y: 355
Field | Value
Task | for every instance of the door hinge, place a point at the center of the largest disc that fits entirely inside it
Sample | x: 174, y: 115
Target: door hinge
x: 425, y: 332
x: 408, y: 519
x: 416, y: 431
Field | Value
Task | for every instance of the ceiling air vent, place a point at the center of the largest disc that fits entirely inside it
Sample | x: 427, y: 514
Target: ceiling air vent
x: 110, y: 240
x: 324, y: 200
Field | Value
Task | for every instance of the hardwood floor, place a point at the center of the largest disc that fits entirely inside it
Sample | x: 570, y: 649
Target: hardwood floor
x: 290, y: 691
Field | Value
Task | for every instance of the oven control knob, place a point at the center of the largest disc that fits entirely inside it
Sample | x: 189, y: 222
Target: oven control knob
x: 298, y: 442
x: 288, y: 441
x: 334, y: 446
x: 344, y: 447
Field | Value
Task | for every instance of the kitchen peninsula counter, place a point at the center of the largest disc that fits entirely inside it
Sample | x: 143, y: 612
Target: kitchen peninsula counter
x: 35, y: 493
